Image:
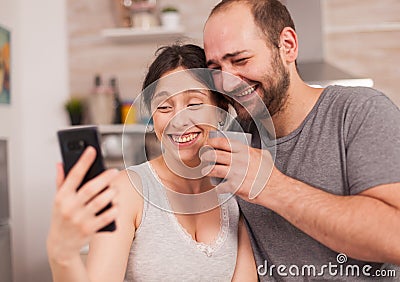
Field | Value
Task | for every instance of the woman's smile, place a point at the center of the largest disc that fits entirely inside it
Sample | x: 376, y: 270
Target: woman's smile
x: 184, y: 139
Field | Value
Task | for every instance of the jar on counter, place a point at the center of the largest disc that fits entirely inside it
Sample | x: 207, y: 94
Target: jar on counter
x: 128, y: 112
x: 144, y: 19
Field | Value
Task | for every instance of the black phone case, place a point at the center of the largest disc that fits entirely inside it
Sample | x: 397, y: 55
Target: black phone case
x: 72, y: 144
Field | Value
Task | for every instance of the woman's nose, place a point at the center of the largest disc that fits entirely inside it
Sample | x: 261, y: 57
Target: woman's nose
x: 180, y: 120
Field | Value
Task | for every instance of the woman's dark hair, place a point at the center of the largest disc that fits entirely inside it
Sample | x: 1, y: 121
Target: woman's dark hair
x: 188, y: 56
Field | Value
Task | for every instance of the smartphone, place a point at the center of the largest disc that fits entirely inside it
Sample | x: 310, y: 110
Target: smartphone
x: 73, y: 142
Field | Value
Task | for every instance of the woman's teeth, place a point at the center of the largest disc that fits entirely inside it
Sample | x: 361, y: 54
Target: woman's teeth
x: 184, y: 138
x: 246, y: 92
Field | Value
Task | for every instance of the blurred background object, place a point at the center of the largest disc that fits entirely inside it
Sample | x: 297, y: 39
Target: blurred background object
x: 144, y: 14
x: 5, y: 227
x: 121, y: 12
x: 101, y: 103
x: 135, y: 13
x: 5, y: 71
x: 170, y: 17
x: 75, y: 109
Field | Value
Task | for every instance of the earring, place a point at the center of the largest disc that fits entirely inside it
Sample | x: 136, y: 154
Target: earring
x: 150, y: 128
x: 221, y: 124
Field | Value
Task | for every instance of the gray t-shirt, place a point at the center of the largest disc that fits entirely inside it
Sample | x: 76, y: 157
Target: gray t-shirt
x: 349, y: 142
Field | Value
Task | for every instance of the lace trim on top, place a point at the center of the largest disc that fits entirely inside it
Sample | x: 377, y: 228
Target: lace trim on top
x: 207, y: 249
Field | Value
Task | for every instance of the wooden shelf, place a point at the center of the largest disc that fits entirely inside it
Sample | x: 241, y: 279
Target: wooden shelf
x: 140, y: 34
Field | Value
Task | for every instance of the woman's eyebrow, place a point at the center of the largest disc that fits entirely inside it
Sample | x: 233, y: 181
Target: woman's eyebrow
x: 160, y: 97
x: 202, y: 91
x: 161, y: 94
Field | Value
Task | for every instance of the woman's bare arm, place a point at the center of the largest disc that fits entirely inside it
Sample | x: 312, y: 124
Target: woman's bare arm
x: 245, y: 264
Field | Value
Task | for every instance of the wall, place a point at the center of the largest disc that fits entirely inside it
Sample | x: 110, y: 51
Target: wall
x: 367, y: 47
x: 90, y: 53
x: 362, y: 38
x: 308, y: 29
x: 11, y: 129
x: 39, y: 81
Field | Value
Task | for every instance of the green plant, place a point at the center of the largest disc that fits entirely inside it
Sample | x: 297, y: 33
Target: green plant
x: 74, y: 105
x: 75, y: 108
x: 169, y: 9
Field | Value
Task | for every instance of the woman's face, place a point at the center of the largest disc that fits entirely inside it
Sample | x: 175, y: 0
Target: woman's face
x: 183, y: 113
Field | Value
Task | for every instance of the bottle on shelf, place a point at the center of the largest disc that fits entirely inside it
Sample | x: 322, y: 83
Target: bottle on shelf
x: 101, y: 103
x: 117, y: 101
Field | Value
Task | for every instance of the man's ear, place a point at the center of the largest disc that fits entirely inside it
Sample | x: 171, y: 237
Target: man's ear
x: 288, y: 44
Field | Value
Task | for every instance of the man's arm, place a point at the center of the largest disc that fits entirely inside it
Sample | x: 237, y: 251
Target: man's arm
x: 365, y: 226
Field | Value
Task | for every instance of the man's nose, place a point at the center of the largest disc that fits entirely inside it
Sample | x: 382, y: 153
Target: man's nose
x: 229, y: 81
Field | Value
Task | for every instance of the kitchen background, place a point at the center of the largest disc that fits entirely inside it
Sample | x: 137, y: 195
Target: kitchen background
x: 358, y: 36
x: 59, y: 45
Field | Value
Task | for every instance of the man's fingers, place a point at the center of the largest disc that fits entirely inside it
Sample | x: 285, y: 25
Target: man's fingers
x: 216, y: 156
x: 219, y: 143
x: 220, y: 171
x: 228, y: 145
x: 79, y: 170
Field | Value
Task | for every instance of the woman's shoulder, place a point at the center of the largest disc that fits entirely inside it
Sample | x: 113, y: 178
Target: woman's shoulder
x: 129, y: 188
x: 127, y: 178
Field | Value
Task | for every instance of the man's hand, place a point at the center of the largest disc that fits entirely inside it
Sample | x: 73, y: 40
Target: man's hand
x: 246, y: 170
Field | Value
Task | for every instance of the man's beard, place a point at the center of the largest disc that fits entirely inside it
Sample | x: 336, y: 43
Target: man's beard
x: 272, y: 98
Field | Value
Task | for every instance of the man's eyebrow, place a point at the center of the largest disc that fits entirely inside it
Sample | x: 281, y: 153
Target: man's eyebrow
x: 227, y: 56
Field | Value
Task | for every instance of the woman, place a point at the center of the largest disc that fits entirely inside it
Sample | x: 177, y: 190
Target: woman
x: 161, y: 233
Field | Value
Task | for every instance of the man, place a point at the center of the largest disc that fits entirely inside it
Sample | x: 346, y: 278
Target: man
x: 333, y: 196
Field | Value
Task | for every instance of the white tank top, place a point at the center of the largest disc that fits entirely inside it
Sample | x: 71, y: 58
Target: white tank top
x: 162, y: 250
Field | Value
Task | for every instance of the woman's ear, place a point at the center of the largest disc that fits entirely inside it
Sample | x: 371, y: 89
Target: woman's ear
x: 289, y: 44
x: 221, y: 117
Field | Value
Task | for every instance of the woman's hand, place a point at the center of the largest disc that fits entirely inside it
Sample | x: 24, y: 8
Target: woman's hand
x: 74, y: 219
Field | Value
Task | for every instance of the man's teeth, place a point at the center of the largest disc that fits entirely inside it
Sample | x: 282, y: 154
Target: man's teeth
x: 246, y: 92
x: 184, y: 138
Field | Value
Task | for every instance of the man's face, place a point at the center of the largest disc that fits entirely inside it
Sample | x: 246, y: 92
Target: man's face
x: 250, y: 69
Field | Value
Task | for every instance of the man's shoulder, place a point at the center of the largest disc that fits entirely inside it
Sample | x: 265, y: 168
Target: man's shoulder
x: 353, y: 98
x: 351, y: 93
